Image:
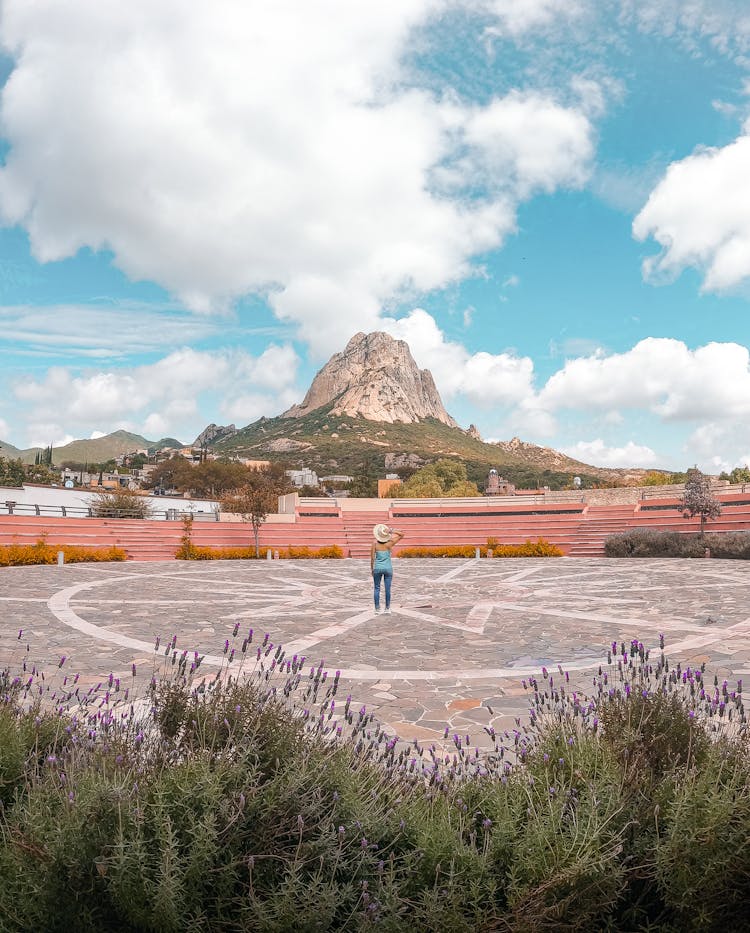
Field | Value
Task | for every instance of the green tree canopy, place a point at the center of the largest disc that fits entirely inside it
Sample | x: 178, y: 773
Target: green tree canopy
x: 12, y: 472
x: 444, y: 478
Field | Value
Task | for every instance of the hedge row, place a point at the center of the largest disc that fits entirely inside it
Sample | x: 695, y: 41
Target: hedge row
x: 538, y: 548
x: 21, y: 555
x: 648, y: 542
x: 193, y: 552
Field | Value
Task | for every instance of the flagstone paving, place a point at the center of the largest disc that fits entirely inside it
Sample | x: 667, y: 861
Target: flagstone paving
x: 461, y: 636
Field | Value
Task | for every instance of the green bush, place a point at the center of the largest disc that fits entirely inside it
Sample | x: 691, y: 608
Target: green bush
x: 263, y: 801
x: 649, y: 542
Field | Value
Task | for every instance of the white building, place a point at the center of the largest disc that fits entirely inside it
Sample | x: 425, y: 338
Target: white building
x: 303, y: 477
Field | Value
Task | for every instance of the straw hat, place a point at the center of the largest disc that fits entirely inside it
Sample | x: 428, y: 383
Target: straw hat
x: 382, y: 533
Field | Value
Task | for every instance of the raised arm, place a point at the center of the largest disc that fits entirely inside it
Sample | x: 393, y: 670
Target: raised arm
x: 396, y: 536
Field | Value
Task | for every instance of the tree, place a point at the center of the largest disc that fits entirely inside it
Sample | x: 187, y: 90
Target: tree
x: 217, y: 477
x: 12, y: 472
x: 656, y: 478
x: 363, y: 487
x: 698, y: 498
x: 175, y: 473
x: 444, y: 478
x: 739, y: 475
x: 256, y: 498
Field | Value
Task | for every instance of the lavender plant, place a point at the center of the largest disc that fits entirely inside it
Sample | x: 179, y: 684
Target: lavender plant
x: 260, y: 797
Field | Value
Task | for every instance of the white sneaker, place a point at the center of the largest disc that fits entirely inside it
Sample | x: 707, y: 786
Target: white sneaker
x: 386, y: 612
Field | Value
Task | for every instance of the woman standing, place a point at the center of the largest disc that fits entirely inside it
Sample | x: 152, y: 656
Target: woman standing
x: 380, y: 562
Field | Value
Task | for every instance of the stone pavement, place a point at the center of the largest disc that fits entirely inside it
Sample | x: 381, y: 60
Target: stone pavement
x: 461, y: 636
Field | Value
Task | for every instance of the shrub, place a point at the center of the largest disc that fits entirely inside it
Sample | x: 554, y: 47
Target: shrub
x: 262, y: 801
x: 538, y: 548
x: 17, y: 555
x: 120, y: 503
x: 650, y: 542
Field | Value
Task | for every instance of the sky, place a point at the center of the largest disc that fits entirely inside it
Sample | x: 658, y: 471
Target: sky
x: 548, y: 199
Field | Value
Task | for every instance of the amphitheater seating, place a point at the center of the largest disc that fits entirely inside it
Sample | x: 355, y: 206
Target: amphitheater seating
x: 578, y: 529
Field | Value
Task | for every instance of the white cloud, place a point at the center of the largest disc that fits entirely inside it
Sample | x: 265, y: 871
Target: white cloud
x: 517, y: 17
x: 249, y: 407
x: 43, y: 433
x: 160, y: 397
x: 98, y: 330
x: 724, y: 24
x: 700, y: 214
x: 597, y: 453
x: 245, y: 147
x: 660, y: 375
x: 3, y: 429
x: 483, y: 378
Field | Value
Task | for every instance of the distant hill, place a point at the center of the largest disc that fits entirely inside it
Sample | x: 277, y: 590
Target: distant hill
x: 341, y: 444
x: 10, y: 452
x: 93, y: 450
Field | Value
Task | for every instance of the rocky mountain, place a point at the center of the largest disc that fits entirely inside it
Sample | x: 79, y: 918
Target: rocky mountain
x: 374, y: 378
x: 213, y: 434
x: 371, y: 409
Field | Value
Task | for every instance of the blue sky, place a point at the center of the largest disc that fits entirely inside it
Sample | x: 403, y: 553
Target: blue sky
x: 549, y: 199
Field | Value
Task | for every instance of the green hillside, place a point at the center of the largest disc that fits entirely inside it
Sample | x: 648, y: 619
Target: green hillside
x: 92, y: 450
x: 13, y: 453
x: 340, y: 444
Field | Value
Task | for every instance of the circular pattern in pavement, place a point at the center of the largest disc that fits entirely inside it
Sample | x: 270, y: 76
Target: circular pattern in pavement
x: 459, y: 639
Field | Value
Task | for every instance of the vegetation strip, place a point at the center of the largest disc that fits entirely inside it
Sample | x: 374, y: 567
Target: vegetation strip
x: 269, y: 802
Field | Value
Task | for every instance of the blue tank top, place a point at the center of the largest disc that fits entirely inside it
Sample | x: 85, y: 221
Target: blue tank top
x: 383, y: 561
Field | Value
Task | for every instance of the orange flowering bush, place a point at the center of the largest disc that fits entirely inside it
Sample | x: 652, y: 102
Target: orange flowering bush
x: 191, y: 551
x: 19, y: 555
x: 538, y: 548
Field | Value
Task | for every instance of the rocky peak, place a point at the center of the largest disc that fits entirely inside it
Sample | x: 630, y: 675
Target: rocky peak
x: 213, y: 433
x: 375, y: 378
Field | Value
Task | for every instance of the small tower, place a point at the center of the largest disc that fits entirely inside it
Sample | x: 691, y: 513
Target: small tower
x: 497, y: 486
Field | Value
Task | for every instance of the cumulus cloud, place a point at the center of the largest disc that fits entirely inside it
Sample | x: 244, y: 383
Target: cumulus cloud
x: 295, y: 163
x: 483, y: 378
x: 660, y: 375
x: 163, y: 396
x: 3, y: 429
x: 700, y: 214
x: 598, y: 453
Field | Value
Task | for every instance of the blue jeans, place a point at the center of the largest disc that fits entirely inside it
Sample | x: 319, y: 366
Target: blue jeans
x: 386, y: 576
